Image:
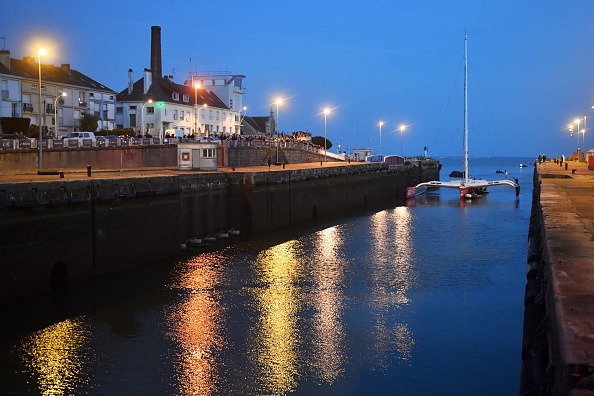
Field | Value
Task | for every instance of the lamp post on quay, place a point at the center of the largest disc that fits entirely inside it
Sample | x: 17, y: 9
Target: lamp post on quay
x: 326, y: 111
x: 40, y: 52
x: 142, y: 133
x: 402, y: 128
x: 61, y: 95
x: 278, y: 102
x: 196, y: 86
x: 380, y: 145
x: 577, y: 121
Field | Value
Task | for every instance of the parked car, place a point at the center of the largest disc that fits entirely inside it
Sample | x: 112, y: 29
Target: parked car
x: 14, y: 136
x: 84, y: 139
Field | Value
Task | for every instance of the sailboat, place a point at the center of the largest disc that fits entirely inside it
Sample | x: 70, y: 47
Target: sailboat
x: 469, y: 188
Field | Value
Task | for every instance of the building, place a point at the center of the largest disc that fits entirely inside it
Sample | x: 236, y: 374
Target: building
x: 155, y: 103
x: 260, y: 126
x: 19, y: 82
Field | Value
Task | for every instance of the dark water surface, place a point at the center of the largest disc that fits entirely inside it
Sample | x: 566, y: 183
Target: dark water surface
x: 418, y: 300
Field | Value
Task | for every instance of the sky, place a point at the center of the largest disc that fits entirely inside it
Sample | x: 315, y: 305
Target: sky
x: 400, y: 62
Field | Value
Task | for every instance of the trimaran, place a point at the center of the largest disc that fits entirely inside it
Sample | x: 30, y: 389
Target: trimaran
x: 469, y: 188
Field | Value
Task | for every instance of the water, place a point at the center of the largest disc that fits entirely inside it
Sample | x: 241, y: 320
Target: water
x: 418, y: 300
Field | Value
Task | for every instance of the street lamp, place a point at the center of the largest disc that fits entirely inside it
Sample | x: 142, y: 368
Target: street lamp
x: 402, y: 128
x: 40, y: 52
x: 142, y: 116
x: 242, y: 118
x: 278, y: 101
x: 326, y: 111
x: 380, y: 128
x: 61, y: 95
x: 196, y: 86
x: 577, y: 121
x: 204, y: 106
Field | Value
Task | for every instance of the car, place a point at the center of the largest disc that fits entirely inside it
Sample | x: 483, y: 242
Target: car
x: 83, y: 139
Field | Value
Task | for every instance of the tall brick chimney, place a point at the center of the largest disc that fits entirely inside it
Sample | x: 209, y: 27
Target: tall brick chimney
x: 156, y: 66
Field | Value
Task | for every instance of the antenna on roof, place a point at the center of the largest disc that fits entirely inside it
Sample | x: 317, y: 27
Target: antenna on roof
x: 3, y: 42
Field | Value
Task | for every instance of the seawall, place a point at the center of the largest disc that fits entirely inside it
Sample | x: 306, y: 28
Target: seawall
x: 64, y: 231
x: 558, y: 335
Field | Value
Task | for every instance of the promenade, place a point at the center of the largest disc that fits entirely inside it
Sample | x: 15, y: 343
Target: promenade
x: 25, y: 176
x: 567, y: 203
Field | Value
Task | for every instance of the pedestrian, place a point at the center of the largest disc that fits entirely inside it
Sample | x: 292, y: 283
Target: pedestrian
x: 269, y: 162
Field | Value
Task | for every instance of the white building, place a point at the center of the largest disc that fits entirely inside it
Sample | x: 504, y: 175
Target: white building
x: 19, y: 84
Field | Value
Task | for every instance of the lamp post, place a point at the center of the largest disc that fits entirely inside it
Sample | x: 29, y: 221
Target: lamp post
x: 380, y: 128
x: 326, y: 111
x: 142, y: 116
x: 40, y: 52
x: 242, y: 118
x: 62, y: 95
x: 402, y: 128
x: 204, y: 106
x: 278, y: 101
x: 196, y: 86
x: 584, y: 137
x: 577, y: 121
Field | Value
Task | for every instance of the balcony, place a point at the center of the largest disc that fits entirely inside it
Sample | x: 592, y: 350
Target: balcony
x: 49, y: 108
x: 82, y: 103
x: 238, y: 90
x: 27, y: 107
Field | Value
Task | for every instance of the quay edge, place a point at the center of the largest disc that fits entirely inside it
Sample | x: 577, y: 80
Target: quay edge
x: 66, y: 231
x: 558, y: 339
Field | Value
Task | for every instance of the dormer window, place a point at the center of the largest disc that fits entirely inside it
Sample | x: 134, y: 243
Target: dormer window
x: 175, y: 96
x: 186, y: 98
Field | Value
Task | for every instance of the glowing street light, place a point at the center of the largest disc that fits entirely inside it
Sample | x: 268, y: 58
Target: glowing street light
x: 204, y: 106
x: 142, y: 115
x: 326, y: 111
x: 278, y: 102
x: 41, y: 51
x: 196, y: 86
x: 577, y: 121
x: 402, y: 128
x: 380, y: 128
x: 242, y: 118
x: 61, y: 95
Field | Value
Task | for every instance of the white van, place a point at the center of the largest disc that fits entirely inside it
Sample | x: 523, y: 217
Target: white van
x: 81, y: 139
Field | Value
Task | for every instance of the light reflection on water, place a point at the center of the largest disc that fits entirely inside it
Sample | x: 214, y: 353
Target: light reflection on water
x: 196, y: 324
x: 56, y: 357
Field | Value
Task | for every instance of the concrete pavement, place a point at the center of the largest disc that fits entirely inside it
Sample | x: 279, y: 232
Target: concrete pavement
x: 567, y: 232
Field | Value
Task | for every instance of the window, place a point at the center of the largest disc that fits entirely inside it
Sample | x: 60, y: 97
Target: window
x: 186, y: 98
x: 175, y: 114
x: 175, y: 96
x: 181, y: 115
x: 150, y: 110
x: 132, y: 107
x: 91, y: 95
x: 230, y: 103
x: 208, y: 153
x: 119, y: 110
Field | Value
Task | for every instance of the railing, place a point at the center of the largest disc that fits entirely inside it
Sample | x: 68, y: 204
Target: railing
x: 28, y: 107
x: 49, y: 108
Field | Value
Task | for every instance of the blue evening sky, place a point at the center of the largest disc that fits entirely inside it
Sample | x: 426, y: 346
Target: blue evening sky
x: 531, y: 64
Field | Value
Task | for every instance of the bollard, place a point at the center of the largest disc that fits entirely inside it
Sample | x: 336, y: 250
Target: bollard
x: 89, y: 170
x: 321, y: 163
x: 349, y: 160
x: 283, y: 165
x: 61, y: 175
x: 566, y: 166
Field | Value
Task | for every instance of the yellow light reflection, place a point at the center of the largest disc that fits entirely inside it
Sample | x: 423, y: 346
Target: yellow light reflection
x: 196, y: 324
x: 57, y: 356
x: 276, y: 332
x: 393, y: 274
x: 328, y: 356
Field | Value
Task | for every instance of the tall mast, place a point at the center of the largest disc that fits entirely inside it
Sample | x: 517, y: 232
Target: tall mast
x: 465, y: 112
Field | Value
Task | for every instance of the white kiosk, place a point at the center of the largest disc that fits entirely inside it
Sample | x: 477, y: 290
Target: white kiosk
x: 197, y: 156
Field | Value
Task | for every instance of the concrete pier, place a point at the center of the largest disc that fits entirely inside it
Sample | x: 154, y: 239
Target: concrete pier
x: 78, y: 224
x: 558, y: 351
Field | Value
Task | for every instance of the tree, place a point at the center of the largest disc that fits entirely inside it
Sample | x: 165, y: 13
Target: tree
x: 319, y: 140
x: 88, y: 122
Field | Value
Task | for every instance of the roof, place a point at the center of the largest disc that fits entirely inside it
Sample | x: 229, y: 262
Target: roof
x: 28, y: 68
x: 162, y: 89
x: 258, y: 123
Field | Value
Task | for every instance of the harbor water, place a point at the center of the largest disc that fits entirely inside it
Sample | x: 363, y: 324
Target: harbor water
x: 421, y: 299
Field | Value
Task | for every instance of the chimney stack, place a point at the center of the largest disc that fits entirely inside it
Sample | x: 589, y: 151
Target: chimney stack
x: 156, y: 66
x: 130, y: 82
x: 148, y: 80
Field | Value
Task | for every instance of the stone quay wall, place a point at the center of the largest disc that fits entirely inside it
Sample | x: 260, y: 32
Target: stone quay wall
x: 63, y: 232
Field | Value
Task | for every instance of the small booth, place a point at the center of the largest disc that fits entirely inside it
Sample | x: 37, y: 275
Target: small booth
x: 197, y: 156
